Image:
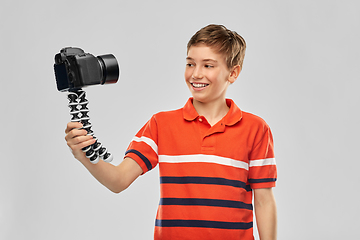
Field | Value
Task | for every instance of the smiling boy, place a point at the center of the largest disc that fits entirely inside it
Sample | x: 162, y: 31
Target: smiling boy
x: 213, y: 157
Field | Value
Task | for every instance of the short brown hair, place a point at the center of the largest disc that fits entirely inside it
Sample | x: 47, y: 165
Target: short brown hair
x: 225, y: 41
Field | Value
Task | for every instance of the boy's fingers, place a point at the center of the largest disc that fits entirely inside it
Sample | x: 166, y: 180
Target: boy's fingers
x: 71, y: 125
x: 80, y: 142
x: 79, y: 139
x: 75, y: 133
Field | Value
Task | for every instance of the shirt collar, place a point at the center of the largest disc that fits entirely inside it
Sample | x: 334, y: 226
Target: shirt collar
x: 232, y: 117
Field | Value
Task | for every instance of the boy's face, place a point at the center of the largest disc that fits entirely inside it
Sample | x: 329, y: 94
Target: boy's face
x: 207, y: 74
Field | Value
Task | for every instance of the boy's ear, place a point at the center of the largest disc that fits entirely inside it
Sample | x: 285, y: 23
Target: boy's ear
x: 234, y: 73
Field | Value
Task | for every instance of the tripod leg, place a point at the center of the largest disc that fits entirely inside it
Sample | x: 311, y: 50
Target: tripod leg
x: 95, y: 151
x: 75, y: 111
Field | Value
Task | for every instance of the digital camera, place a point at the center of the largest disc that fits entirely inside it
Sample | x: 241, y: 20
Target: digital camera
x: 75, y: 69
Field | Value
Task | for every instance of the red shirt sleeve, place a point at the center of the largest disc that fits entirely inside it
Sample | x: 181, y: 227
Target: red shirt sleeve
x: 262, y: 166
x: 143, y: 147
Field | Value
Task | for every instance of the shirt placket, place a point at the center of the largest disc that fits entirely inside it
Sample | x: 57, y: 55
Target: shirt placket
x: 208, y: 134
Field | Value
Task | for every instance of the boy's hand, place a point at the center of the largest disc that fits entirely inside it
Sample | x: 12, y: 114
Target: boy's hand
x: 115, y: 178
x: 77, y: 139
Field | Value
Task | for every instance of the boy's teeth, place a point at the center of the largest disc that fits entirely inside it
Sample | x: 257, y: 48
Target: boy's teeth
x: 199, y: 85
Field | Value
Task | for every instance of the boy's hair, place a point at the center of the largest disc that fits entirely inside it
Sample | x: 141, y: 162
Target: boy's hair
x: 224, y: 41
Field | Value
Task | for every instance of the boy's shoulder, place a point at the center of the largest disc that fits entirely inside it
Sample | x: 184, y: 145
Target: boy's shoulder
x: 176, y: 113
x: 170, y: 114
x: 252, y: 117
x: 254, y: 122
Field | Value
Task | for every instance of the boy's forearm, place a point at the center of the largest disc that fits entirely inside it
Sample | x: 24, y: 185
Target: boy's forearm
x: 104, y: 172
x: 115, y: 178
x: 266, y: 215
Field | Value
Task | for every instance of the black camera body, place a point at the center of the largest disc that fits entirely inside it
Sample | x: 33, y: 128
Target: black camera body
x: 75, y: 69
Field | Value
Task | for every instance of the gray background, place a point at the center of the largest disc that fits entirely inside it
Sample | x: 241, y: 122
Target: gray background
x: 301, y: 74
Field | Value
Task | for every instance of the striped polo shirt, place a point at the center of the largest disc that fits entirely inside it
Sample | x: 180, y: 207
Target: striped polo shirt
x: 207, y: 173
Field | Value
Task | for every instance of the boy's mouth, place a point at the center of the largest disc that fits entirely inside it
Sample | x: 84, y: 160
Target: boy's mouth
x: 199, y: 85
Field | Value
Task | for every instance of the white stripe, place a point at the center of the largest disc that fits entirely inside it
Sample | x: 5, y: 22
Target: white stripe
x: 148, y: 141
x: 203, y: 159
x: 262, y: 162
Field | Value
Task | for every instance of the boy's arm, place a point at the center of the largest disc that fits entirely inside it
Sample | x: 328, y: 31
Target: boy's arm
x: 115, y: 178
x: 265, y: 212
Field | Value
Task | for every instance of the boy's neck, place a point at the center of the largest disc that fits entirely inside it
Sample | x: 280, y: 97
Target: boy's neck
x: 212, y: 111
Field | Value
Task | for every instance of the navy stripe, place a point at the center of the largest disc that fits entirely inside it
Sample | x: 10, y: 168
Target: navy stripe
x: 262, y: 180
x: 205, y: 202
x: 203, y: 224
x: 205, y: 180
x: 145, y: 160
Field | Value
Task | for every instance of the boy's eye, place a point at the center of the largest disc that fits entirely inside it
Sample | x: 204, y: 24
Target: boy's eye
x: 189, y: 64
x: 208, y: 66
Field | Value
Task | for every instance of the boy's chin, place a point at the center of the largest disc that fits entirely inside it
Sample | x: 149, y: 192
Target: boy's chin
x: 199, y: 99
x: 206, y: 100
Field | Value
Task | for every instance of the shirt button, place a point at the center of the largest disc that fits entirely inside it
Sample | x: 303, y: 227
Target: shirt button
x: 200, y: 119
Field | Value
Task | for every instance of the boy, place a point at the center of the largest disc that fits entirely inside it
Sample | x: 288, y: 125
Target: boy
x: 212, y: 156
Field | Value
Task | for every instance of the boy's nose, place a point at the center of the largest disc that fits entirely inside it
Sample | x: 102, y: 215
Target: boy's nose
x: 197, y: 74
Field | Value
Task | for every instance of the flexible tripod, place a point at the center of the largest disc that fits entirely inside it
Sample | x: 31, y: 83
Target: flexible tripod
x: 78, y: 105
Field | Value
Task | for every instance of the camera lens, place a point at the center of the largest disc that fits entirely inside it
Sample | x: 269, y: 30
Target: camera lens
x: 110, y: 68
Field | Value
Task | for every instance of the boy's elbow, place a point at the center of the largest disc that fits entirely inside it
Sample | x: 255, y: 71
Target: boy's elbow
x: 118, y: 188
x: 116, y: 191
